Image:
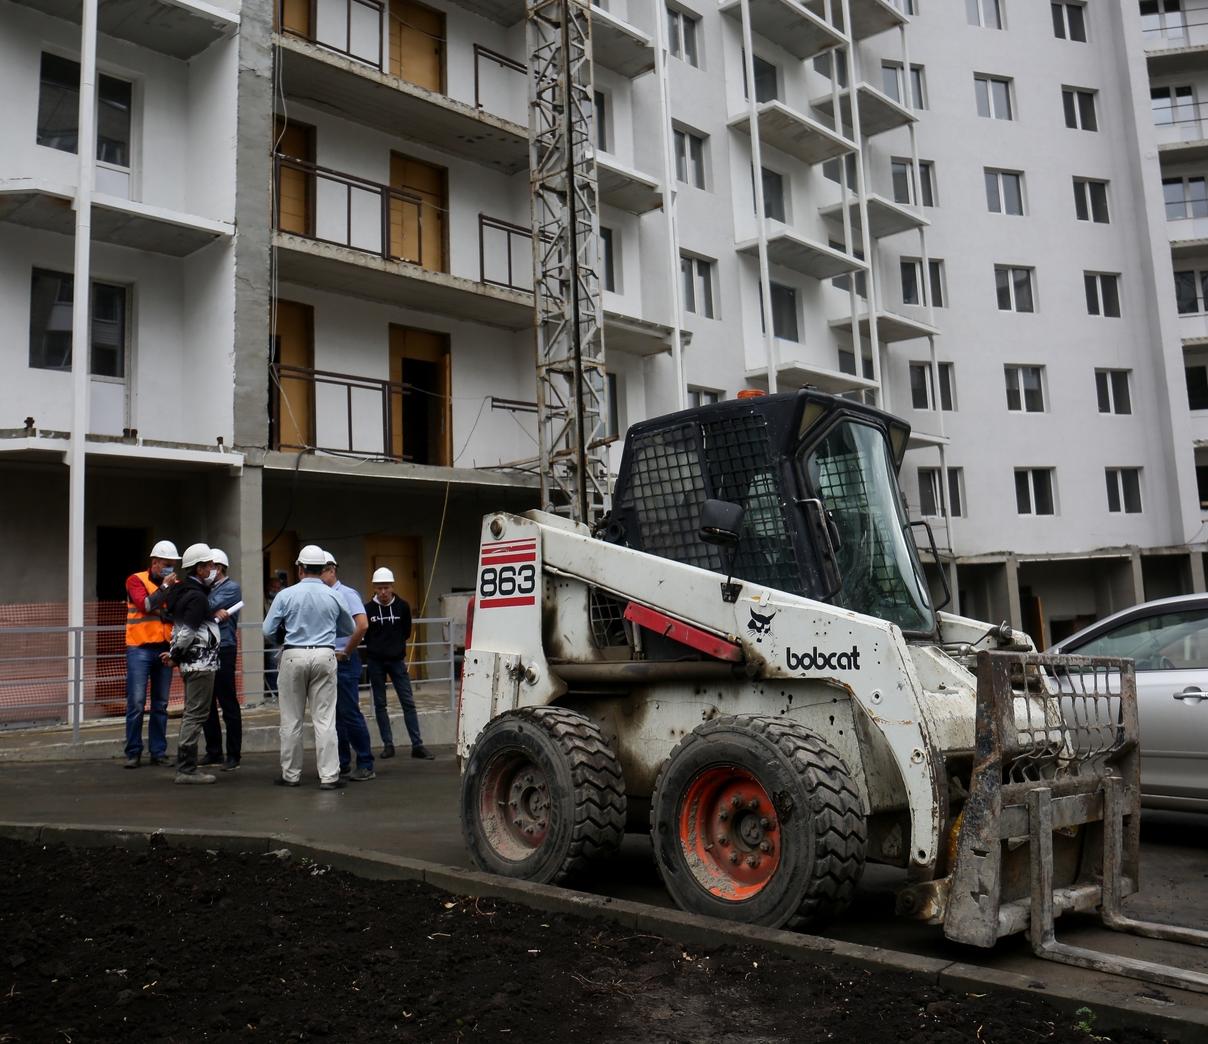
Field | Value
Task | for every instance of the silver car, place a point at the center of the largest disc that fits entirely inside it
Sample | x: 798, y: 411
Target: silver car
x: 1168, y: 639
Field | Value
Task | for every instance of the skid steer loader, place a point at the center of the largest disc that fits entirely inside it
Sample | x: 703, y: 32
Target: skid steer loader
x: 745, y: 660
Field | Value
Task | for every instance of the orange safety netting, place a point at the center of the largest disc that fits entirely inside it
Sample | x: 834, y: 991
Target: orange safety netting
x: 38, y: 663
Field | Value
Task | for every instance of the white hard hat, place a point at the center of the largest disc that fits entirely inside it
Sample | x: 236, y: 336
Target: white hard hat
x: 165, y: 549
x: 196, y: 553
x: 329, y: 559
x: 383, y: 576
x: 220, y: 557
x: 312, y: 555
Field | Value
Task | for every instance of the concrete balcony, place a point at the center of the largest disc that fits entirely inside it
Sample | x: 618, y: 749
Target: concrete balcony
x: 788, y: 24
x: 625, y: 188
x: 358, y: 91
x: 618, y: 46
x: 1193, y: 330
x: 868, y: 17
x: 885, y: 218
x: 634, y: 336
x: 791, y: 375
x: 178, y: 28
x: 794, y: 133
x: 35, y: 203
x: 878, y: 112
x: 1190, y: 249
x: 789, y: 250
x: 891, y: 327
x: 1172, y: 61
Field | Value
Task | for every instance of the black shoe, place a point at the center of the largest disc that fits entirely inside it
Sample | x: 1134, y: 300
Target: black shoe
x: 345, y: 772
x: 281, y: 781
x: 134, y: 762
x: 422, y: 752
x: 388, y: 751
x: 230, y: 764
x: 335, y: 784
x: 362, y: 774
x: 212, y: 759
x: 165, y: 761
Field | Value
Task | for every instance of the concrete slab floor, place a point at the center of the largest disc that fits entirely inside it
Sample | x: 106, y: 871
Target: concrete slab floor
x: 410, y: 810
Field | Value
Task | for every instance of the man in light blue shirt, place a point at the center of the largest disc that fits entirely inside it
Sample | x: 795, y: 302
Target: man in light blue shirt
x: 351, y: 730
x: 311, y: 615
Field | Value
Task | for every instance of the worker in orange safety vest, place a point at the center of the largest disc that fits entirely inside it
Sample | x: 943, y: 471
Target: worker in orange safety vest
x: 148, y: 634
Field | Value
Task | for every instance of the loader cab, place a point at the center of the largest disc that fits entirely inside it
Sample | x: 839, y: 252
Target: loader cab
x: 816, y: 476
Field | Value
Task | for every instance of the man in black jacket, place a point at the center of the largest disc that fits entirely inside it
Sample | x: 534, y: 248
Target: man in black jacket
x: 386, y: 654
x: 194, y: 649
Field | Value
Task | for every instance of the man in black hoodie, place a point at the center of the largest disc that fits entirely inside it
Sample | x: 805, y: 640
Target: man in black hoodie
x: 386, y: 654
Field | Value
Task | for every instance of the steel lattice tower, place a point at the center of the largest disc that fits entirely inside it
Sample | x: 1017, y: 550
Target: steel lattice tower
x: 571, y: 384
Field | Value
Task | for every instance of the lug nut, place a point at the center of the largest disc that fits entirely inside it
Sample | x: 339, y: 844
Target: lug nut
x: 723, y: 815
x: 764, y: 822
x: 765, y: 846
x: 733, y: 857
x: 752, y: 861
x: 528, y: 780
x: 754, y: 803
x: 736, y: 801
x: 528, y: 829
x: 723, y: 839
x: 515, y: 822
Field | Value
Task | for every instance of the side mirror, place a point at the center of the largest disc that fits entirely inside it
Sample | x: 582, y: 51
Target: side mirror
x: 720, y: 523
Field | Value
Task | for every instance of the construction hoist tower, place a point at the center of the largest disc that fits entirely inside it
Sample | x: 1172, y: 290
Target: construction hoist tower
x: 571, y: 385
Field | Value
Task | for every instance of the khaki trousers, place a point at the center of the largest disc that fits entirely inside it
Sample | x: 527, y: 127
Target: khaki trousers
x: 308, y: 675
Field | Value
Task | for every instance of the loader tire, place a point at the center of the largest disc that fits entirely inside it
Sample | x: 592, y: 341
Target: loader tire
x: 542, y: 795
x: 756, y: 819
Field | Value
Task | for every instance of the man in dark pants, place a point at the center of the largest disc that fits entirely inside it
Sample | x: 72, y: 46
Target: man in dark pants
x: 351, y: 731
x: 386, y: 654
x: 225, y: 594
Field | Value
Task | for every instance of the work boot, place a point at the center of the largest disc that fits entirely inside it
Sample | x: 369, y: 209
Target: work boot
x: 212, y: 759
x: 422, y: 752
x: 162, y: 762
x: 135, y: 761
x: 345, y: 771
x: 281, y: 781
x: 362, y: 774
x: 388, y: 750
x: 230, y: 764
x: 194, y: 778
x: 334, y: 784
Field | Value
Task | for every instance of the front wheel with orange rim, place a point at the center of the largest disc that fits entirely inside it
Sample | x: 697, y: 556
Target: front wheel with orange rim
x: 757, y: 819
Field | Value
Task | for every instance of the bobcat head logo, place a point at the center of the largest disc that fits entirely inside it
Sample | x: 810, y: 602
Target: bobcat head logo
x: 760, y: 624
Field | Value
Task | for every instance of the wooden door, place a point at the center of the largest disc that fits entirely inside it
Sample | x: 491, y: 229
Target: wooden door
x: 401, y: 555
x: 294, y: 16
x: 420, y: 417
x: 417, y: 222
x: 281, y: 555
x: 293, y: 393
x: 417, y: 44
x: 295, y: 187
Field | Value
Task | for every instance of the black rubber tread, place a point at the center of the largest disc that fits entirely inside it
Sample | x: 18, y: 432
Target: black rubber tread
x: 836, y: 811
x: 599, y: 804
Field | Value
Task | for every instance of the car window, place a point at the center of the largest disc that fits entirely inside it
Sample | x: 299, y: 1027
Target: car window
x: 1163, y: 642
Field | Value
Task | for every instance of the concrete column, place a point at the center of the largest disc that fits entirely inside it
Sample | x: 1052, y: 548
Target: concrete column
x: 1011, y: 591
x: 1195, y: 567
x: 1136, y: 578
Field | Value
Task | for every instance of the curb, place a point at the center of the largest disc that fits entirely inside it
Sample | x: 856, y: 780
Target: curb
x: 1113, y: 1014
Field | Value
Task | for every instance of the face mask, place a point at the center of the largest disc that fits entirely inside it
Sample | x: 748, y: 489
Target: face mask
x: 213, y: 575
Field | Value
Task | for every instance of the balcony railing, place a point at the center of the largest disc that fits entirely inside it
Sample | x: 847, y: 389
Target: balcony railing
x: 352, y: 28
x: 1179, y: 113
x: 349, y: 211
x: 495, y: 80
x: 505, y: 254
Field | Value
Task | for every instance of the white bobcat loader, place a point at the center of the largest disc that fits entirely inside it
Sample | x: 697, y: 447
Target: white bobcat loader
x: 745, y: 661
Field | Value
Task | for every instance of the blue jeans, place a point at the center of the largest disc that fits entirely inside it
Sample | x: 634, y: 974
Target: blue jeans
x: 351, y: 730
x: 142, y: 665
x: 397, y: 672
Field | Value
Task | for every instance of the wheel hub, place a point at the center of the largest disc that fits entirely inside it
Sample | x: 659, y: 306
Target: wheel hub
x: 729, y: 833
x: 514, y: 805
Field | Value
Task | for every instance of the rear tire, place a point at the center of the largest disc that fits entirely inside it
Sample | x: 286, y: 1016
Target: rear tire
x: 542, y: 795
x: 757, y: 820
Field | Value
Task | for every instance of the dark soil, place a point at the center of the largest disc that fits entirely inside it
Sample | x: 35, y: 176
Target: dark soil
x: 175, y: 945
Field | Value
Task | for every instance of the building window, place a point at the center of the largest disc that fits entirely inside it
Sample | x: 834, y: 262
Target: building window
x: 891, y: 81
x: 912, y: 293
x: 784, y: 312
x: 1191, y: 292
x: 1172, y: 104
x: 993, y: 97
x: 1014, y: 287
x: 822, y: 65
x: 50, y: 306
x: 1069, y: 21
x: 607, y: 260
x: 832, y: 171
x: 690, y: 158
x: 1102, y: 294
x: 902, y: 174
x: 682, y: 32
x: 614, y: 408
x: 1004, y: 191
x: 601, y: 104
x: 1079, y: 109
x: 1196, y: 373
x: 984, y: 13
x: 59, y: 111
x: 696, y: 274
x: 773, y: 194
x: 843, y: 282
x: 702, y: 396
x: 930, y: 504
x: 1034, y: 491
x: 922, y: 396
x: 766, y: 80
x: 1124, y: 490
x: 1158, y: 16
x: 1090, y: 200
x: 1111, y: 387
x: 1185, y: 197
x: 1025, y: 388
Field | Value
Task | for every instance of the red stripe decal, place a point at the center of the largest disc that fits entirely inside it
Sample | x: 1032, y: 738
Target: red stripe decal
x: 685, y: 634
x: 505, y: 559
x: 504, y: 603
x: 510, y: 546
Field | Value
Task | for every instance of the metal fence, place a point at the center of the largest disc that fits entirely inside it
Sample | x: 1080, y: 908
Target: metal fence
x: 51, y: 674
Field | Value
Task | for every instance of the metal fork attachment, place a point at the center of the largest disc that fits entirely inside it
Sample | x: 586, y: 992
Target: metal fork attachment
x: 1052, y: 821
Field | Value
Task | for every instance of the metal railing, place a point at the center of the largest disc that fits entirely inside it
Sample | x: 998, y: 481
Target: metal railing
x: 52, y: 675
x: 362, y: 28
x: 1178, y: 113
x: 495, y: 61
x: 355, y: 212
x: 505, y: 254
